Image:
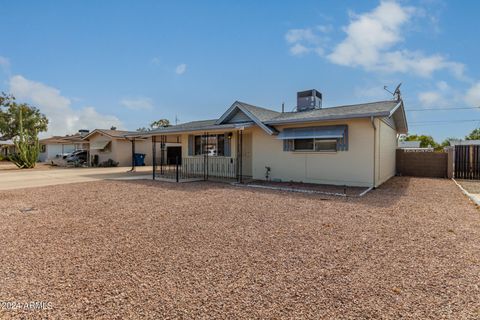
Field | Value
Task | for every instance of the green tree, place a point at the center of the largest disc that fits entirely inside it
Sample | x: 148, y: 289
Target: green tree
x: 425, y: 141
x: 446, y: 142
x: 155, y: 125
x: 474, y: 135
x: 10, y: 112
x: 160, y: 123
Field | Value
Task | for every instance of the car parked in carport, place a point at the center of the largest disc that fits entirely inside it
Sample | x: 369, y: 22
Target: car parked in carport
x: 75, y: 158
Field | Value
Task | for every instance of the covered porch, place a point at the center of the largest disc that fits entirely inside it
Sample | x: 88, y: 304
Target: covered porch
x: 223, y: 154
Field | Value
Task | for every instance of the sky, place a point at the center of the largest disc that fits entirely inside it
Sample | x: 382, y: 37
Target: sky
x: 97, y: 64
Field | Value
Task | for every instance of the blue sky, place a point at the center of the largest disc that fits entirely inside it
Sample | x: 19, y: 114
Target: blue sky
x: 90, y: 64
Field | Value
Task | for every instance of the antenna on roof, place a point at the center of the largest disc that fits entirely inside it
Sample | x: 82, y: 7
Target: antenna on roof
x: 283, y: 107
x: 176, y: 120
x: 396, y: 93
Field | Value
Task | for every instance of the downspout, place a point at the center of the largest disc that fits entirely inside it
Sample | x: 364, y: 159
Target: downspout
x: 372, y: 119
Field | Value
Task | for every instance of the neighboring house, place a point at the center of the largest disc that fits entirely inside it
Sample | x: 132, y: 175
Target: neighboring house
x: 347, y: 145
x: 408, y: 144
x: 54, y: 146
x: 455, y: 142
x: 7, y: 147
x: 114, y: 145
x: 413, y: 146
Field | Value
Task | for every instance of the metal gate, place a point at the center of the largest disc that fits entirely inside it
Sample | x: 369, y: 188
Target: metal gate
x: 201, y: 167
x: 467, y: 162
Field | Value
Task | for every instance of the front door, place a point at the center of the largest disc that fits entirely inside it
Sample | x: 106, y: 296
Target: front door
x: 174, y: 153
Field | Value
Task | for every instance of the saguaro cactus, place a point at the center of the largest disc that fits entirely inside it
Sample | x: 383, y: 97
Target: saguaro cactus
x: 27, y: 148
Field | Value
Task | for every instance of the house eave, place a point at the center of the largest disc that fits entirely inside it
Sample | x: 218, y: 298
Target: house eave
x: 327, y: 118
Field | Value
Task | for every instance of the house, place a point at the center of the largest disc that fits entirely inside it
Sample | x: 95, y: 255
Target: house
x: 61, y: 145
x: 113, y: 144
x: 351, y: 145
x: 7, y: 147
x: 458, y: 142
x: 408, y: 144
x: 413, y: 146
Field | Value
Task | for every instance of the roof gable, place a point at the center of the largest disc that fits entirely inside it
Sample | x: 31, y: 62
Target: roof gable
x: 253, y: 113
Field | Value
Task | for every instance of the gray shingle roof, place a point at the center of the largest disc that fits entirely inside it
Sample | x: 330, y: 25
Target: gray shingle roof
x: 271, y: 117
x: 380, y: 108
x: 262, y: 114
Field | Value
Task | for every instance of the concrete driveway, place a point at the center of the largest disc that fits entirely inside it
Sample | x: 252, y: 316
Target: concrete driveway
x: 16, y: 179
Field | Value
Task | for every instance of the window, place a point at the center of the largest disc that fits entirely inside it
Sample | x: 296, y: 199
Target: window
x: 212, y: 145
x: 318, y: 145
x: 325, y: 145
x: 303, y: 144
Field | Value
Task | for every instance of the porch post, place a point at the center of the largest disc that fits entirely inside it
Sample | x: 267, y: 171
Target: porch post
x: 206, y: 157
x: 154, y: 156
x: 241, y: 156
x: 162, y: 138
x: 133, y: 154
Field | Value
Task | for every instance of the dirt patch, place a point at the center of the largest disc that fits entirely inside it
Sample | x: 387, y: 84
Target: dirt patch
x: 7, y: 165
x: 144, y: 249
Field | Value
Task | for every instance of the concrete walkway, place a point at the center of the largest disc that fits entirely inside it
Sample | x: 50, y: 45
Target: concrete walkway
x: 17, y: 179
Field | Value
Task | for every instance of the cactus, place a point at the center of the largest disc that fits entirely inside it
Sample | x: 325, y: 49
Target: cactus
x: 27, y: 148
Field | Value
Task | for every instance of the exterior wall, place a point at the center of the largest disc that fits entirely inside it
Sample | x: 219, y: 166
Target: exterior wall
x: 386, y: 142
x: 352, y: 167
x: 122, y: 152
x: 102, y: 155
x: 145, y: 147
x: 51, y: 150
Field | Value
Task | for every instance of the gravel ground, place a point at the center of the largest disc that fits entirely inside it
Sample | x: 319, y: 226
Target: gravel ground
x: 143, y: 249
x: 472, y: 186
x: 299, y: 186
x: 7, y: 165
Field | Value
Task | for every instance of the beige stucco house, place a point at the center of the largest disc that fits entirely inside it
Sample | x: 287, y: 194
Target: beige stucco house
x: 52, y: 147
x: 113, y: 144
x: 347, y: 145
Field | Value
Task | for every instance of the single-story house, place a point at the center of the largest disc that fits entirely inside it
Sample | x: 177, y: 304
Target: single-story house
x: 61, y: 145
x: 458, y: 142
x: 351, y: 145
x: 7, y: 147
x: 408, y: 144
x: 113, y: 144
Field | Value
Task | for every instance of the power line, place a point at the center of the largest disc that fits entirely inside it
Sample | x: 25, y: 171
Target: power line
x: 433, y: 121
x: 441, y: 109
x: 439, y: 122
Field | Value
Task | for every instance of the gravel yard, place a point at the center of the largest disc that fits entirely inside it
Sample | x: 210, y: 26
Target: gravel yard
x: 143, y: 249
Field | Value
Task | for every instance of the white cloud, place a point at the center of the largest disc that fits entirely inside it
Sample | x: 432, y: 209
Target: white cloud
x: 372, y: 36
x: 297, y: 49
x: 4, y: 63
x: 63, y: 119
x: 156, y: 61
x: 472, y: 97
x: 140, y: 103
x: 181, y: 68
x: 442, y: 96
x: 431, y: 98
x: 302, y: 41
